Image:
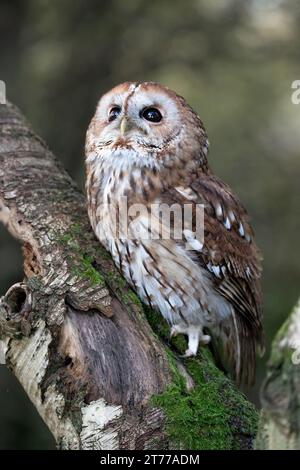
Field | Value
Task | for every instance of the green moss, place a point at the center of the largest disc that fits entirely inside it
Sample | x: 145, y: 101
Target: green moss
x: 115, y: 278
x: 157, y: 323
x: 121, y: 288
x: 214, y: 415
x: 81, y: 263
x: 87, y: 270
x: 133, y: 298
x: 196, y: 419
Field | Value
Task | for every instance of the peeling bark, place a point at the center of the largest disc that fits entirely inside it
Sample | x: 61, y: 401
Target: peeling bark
x: 73, y: 332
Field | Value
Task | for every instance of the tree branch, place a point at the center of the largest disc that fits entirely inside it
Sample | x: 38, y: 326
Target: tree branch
x: 79, y: 340
x: 280, y: 420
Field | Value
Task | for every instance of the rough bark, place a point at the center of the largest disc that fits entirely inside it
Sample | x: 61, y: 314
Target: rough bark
x: 279, y: 427
x: 78, y: 339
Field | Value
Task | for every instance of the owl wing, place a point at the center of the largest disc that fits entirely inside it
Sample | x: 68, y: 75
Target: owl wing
x: 233, y: 261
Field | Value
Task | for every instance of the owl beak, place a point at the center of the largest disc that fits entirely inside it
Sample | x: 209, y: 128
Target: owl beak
x: 125, y: 125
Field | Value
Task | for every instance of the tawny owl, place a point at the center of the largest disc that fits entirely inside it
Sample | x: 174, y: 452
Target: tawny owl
x: 146, y: 146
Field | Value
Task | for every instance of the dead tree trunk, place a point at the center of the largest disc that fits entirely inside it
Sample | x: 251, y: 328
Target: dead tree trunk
x: 279, y: 427
x: 96, y: 364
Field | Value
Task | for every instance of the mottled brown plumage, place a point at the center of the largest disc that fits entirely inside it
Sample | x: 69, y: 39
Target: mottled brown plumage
x: 146, y: 144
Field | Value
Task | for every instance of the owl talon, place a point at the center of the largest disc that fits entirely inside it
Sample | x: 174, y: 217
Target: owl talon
x: 188, y: 353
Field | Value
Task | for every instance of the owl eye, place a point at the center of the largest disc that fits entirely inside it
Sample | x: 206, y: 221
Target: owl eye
x: 114, y: 113
x: 151, y: 114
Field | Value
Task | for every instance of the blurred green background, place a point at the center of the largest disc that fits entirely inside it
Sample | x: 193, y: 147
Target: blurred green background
x: 234, y: 62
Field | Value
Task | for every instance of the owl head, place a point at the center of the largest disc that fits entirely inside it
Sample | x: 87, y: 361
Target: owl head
x: 146, y: 125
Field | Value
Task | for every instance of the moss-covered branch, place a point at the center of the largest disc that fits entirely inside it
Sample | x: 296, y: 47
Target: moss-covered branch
x: 212, y: 414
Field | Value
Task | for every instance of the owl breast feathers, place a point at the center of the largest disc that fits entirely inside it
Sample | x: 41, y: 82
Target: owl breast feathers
x: 146, y: 148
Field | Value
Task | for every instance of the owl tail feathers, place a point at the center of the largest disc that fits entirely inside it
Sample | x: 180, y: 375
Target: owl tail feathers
x: 235, y: 344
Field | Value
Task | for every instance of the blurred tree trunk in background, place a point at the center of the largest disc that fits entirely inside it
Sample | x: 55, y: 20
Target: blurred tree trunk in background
x: 79, y: 340
x: 280, y: 420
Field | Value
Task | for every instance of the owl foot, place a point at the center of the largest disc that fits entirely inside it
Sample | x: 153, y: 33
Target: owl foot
x: 188, y: 353
x: 195, y: 337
